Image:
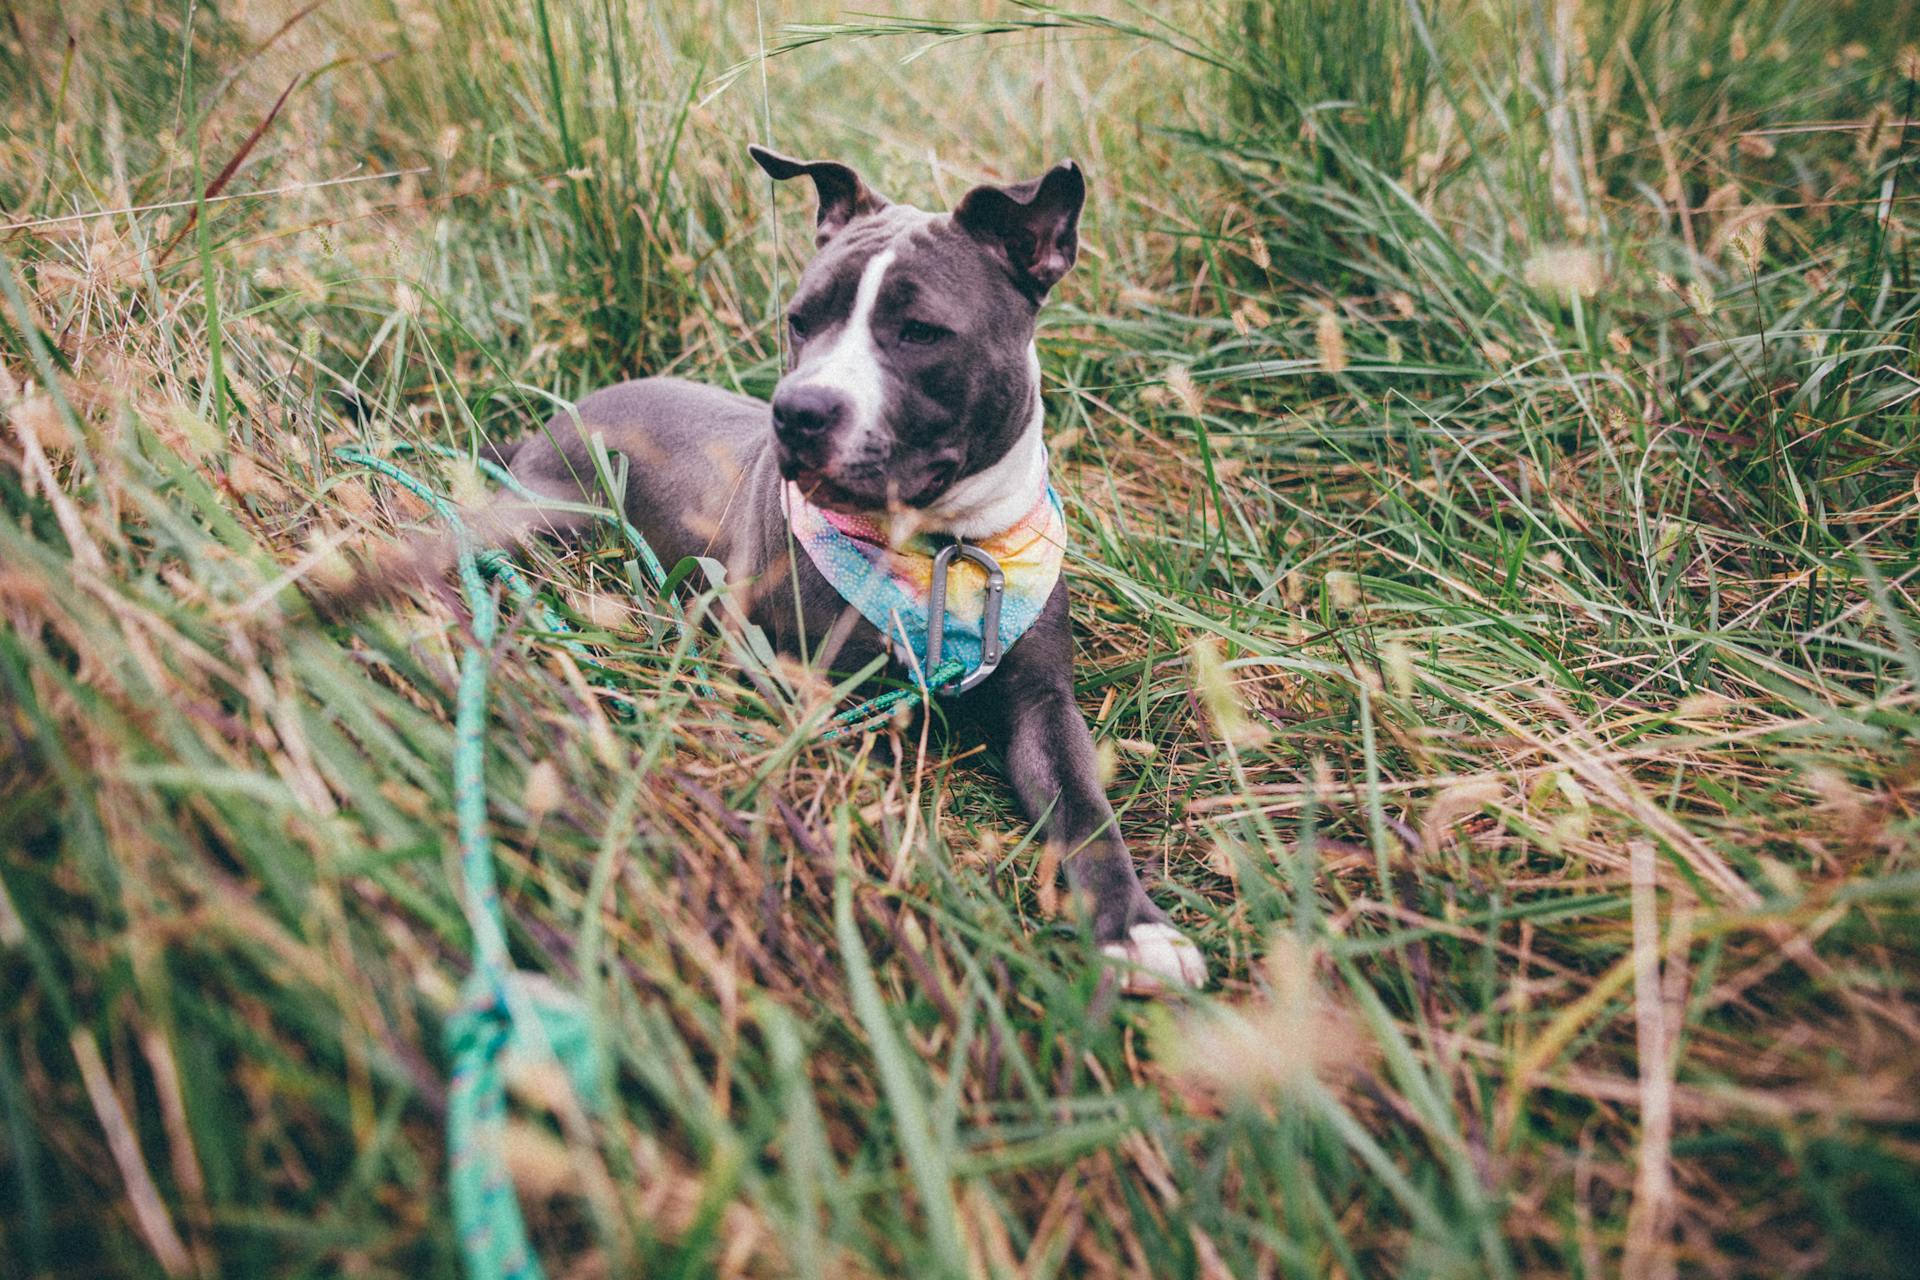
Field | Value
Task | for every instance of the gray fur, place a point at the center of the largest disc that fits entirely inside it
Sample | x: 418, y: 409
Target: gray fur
x: 703, y: 480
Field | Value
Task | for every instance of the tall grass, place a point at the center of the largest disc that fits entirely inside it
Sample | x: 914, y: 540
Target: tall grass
x: 1360, y: 67
x: 1489, y: 435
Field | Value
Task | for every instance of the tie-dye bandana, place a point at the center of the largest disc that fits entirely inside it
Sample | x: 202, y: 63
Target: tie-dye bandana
x: 890, y: 585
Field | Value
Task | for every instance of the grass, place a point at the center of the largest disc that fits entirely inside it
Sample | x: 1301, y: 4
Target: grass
x: 1489, y: 435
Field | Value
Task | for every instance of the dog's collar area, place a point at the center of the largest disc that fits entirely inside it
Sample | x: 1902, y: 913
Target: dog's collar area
x: 905, y: 586
x: 990, y: 650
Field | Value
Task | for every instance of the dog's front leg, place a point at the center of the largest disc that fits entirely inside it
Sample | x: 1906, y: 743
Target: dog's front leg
x: 1028, y: 711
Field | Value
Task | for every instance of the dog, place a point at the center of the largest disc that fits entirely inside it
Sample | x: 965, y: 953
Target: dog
x: 909, y: 414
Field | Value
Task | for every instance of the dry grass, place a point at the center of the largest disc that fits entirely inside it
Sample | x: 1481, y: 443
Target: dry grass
x: 1490, y: 445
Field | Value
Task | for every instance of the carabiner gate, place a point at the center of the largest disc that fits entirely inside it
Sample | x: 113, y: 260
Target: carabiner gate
x: 990, y: 620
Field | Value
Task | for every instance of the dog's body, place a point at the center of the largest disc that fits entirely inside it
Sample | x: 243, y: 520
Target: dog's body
x: 913, y: 391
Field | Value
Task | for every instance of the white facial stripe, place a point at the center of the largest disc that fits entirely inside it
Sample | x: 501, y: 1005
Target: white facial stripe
x: 851, y: 363
x: 995, y: 499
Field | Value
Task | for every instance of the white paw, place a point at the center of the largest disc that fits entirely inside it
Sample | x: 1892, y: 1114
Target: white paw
x: 1157, y: 956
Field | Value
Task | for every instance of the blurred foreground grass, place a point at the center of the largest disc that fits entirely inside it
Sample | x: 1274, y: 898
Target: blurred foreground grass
x: 1489, y: 432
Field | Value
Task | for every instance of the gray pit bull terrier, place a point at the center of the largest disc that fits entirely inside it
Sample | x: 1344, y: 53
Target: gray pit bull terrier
x: 912, y: 393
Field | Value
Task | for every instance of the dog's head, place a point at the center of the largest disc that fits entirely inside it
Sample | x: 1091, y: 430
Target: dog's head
x: 912, y: 381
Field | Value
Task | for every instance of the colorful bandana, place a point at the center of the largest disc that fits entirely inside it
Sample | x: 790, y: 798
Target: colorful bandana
x: 891, y: 585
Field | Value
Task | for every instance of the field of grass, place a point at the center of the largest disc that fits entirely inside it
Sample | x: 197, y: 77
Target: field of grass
x: 1490, y: 433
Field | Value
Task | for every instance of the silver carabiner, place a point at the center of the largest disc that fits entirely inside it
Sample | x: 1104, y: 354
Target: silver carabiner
x: 990, y: 621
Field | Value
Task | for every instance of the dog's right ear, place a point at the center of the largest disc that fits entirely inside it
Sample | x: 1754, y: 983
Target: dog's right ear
x: 843, y: 197
x: 1034, y: 227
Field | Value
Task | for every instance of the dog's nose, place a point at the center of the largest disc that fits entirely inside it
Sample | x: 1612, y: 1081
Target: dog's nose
x: 806, y: 413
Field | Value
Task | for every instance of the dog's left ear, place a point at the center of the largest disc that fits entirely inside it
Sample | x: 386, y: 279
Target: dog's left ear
x: 843, y: 196
x: 1034, y: 225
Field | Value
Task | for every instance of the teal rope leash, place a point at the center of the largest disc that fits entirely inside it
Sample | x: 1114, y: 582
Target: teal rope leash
x: 656, y: 572
x: 868, y: 714
x: 506, y: 1013
x: 491, y: 561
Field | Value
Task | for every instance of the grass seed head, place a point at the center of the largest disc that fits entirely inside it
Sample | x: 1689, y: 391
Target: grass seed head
x: 1181, y: 386
x: 1564, y: 269
x: 1330, y: 343
x: 1214, y: 686
x: 543, y: 791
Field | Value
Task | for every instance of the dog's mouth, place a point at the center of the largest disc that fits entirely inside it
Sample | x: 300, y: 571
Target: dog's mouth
x: 822, y: 490
x: 939, y: 479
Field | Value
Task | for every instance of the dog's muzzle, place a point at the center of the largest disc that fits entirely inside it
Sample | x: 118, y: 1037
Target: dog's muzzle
x: 806, y: 418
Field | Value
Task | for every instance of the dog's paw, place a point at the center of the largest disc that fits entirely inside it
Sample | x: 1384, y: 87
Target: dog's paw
x: 1157, y: 957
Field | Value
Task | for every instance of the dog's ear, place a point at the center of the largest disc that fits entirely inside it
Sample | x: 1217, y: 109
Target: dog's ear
x: 843, y: 197
x: 1034, y: 225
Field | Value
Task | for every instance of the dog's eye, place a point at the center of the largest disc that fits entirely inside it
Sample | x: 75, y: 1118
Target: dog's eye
x: 796, y: 326
x: 920, y: 333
